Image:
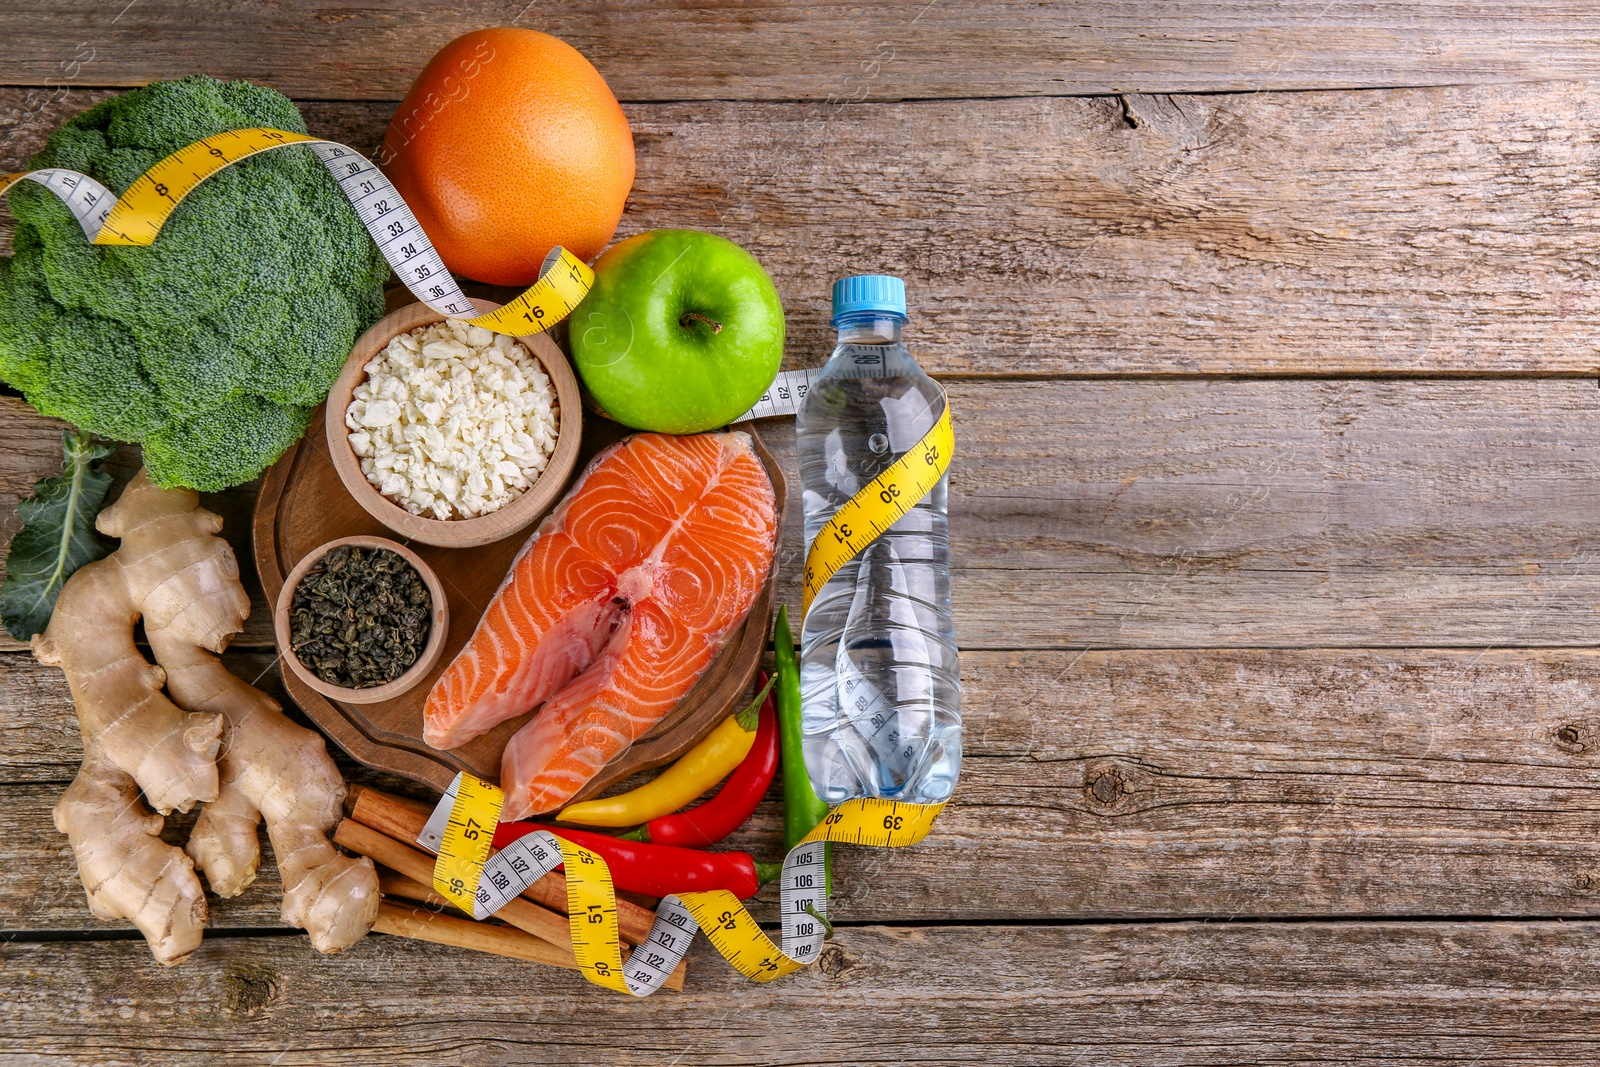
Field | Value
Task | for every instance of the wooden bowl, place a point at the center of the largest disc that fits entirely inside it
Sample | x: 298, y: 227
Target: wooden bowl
x: 303, y: 504
x: 455, y: 533
x: 375, y: 694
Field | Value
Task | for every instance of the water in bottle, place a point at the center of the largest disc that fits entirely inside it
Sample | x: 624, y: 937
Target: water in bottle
x: 879, y: 673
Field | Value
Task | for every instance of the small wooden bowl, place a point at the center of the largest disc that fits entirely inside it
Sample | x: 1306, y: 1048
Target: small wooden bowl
x: 372, y: 694
x: 455, y: 533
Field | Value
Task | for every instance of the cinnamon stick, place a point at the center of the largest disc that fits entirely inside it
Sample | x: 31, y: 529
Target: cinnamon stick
x: 420, y: 924
x: 399, y: 824
x: 394, y: 817
x: 395, y: 884
x: 418, y: 866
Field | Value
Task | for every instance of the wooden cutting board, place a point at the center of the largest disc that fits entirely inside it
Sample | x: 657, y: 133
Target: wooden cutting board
x: 303, y: 505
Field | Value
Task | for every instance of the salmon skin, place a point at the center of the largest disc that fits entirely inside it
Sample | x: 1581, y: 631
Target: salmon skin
x: 611, y: 611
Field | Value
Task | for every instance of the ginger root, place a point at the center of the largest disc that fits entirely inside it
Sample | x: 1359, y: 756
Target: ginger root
x: 173, y: 571
x: 280, y: 772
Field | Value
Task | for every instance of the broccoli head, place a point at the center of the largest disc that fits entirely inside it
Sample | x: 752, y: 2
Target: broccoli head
x: 212, y: 346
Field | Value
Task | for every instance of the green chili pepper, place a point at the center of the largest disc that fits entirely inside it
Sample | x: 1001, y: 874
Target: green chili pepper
x: 802, y: 808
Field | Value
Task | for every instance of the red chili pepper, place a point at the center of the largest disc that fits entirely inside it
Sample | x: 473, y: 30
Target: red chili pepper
x: 734, y: 802
x: 658, y: 870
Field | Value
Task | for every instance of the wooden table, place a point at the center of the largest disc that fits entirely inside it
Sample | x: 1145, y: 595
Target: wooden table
x: 1269, y: 333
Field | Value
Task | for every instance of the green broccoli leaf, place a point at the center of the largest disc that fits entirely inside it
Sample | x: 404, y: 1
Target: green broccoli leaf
x: 57, y: 535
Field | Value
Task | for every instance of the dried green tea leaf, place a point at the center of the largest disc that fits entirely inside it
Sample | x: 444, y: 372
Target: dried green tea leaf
x: 360, y: 617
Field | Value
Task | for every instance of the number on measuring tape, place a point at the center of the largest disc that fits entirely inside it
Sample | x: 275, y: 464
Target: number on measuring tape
x: 783, y: 396
x: 592, y: 903
x: 137, y: 216
x: 465, y: 839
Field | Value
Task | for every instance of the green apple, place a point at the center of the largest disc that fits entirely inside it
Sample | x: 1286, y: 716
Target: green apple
x: 682, y: 332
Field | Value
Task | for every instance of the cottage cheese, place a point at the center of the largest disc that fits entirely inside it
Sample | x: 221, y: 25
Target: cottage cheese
x: 453, y: 421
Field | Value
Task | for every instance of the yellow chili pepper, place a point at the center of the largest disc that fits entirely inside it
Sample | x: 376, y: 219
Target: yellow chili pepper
x: 696, y: 771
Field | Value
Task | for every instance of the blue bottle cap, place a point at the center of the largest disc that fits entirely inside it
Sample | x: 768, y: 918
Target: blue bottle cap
x: 868, y: 292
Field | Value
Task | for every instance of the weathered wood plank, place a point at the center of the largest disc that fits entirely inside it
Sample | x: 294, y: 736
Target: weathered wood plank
x: 817, y: 50
x: 1135, y: 784
x: 41, y: 891
x: 1409, y: 232
x: 1171, y: 994
x: 1429, y: 231
x: 1248, y: 514
x: 1161, y: 514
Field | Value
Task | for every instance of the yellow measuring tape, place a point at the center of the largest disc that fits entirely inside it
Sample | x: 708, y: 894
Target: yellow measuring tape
x: 467, y: 838
x: 878, y: 506
x: 463, y: 824
x: 136, y: 218
x: 480, y: 885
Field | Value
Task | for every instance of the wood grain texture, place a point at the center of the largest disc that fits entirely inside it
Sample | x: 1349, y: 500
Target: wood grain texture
x: 819, y: 49
x: 1251, y: 514
x: 1425, y: 231
x: 424, y: 924
x: 40, y: 890
x: 1406, y: 232
x: 1133, y: 785
x: 1172, y: 514
x: 1203, y: 567
x: 1169, y: 994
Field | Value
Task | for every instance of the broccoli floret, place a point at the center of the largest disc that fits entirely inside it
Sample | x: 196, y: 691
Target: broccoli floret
x: 223, y: 441
x: 212, y: 346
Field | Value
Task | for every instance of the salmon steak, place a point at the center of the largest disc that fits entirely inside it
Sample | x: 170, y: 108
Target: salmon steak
x: 611, y: 611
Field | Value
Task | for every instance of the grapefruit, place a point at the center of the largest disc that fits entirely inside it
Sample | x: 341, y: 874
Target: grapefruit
x: 508, y: 144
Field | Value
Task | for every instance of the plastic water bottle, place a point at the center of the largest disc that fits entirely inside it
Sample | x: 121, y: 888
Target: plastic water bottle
x: 879, y: 672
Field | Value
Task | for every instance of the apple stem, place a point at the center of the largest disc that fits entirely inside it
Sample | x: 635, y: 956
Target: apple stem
x: 684, y: 320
